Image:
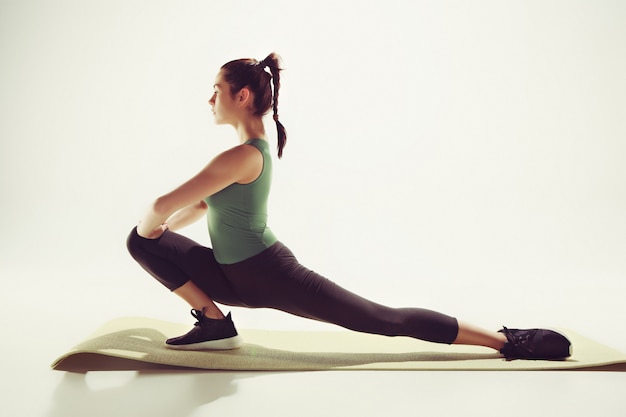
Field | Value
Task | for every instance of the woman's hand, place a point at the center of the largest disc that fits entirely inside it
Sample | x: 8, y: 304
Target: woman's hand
x: 156, y: 233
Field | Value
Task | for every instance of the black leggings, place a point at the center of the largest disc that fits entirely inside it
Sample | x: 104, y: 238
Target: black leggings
x: 275, y: 279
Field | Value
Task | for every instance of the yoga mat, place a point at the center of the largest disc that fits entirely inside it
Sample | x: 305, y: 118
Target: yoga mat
x: 136, y: 343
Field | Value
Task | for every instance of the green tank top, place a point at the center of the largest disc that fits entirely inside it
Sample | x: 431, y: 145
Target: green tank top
x: 237, y: 215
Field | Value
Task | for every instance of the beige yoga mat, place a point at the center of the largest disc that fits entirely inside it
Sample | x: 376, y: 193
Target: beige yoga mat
x: 138, y: 344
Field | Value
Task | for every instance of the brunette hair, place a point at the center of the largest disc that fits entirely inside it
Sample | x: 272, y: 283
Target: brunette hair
x: 248, y: 72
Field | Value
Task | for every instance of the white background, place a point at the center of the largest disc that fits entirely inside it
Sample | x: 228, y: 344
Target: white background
x: 462, y: 156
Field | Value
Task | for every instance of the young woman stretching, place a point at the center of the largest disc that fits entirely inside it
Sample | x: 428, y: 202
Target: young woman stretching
x: 249, y: 267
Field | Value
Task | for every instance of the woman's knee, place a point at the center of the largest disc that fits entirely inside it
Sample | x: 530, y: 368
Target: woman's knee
x: 134, y: 242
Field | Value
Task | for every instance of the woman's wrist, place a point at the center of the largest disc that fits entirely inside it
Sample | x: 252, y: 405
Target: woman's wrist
x: 154, y: 233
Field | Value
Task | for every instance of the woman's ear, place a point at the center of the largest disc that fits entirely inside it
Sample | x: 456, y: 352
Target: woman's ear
x: 243, y: 97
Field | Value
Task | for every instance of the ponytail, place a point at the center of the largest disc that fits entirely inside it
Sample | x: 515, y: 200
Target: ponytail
x: 272, y: 61
x: 248, y: 72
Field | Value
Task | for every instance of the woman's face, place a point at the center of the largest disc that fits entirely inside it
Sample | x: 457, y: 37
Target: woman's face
x: 223, y: 104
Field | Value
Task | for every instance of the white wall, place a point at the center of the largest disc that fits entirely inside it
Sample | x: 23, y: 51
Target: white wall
x: 461, y: 156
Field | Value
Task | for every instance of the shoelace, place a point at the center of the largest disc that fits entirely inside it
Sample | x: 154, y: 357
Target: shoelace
x: 198, y: 315
x: 520, y: 343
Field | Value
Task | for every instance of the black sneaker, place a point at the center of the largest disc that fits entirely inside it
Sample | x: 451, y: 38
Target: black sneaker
x: 538, y: 344
x: 207, y: 334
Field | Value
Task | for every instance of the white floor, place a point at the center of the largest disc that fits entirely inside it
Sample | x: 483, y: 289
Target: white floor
x: 36, y: 334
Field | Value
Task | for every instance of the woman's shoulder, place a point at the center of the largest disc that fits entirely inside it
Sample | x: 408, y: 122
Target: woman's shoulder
x: 254, y: 149
x: 244, y: 159
x: 240, y: 152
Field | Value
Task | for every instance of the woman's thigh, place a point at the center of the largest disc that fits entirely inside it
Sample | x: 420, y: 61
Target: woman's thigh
x: 275, y: 279
x: 174, y: 259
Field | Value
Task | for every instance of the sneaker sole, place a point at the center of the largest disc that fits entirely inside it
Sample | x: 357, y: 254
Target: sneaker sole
x: 230, y: 343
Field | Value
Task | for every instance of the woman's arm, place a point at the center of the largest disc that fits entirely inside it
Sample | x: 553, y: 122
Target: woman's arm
x: 240, y: 164
x: 186, y: 216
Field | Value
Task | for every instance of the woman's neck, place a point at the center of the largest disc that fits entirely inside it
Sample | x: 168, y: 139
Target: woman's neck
x: 252, y: 128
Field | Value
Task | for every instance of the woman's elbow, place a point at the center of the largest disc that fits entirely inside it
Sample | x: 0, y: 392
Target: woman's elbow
x: 202, y: 205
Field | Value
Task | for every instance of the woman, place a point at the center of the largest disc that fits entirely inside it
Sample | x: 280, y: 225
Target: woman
x: 249, y: 267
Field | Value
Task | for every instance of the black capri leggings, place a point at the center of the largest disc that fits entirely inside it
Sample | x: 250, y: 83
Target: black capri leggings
x: 275, y: 279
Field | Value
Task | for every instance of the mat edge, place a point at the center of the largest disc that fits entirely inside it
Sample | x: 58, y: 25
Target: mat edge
x: 57, y: 365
